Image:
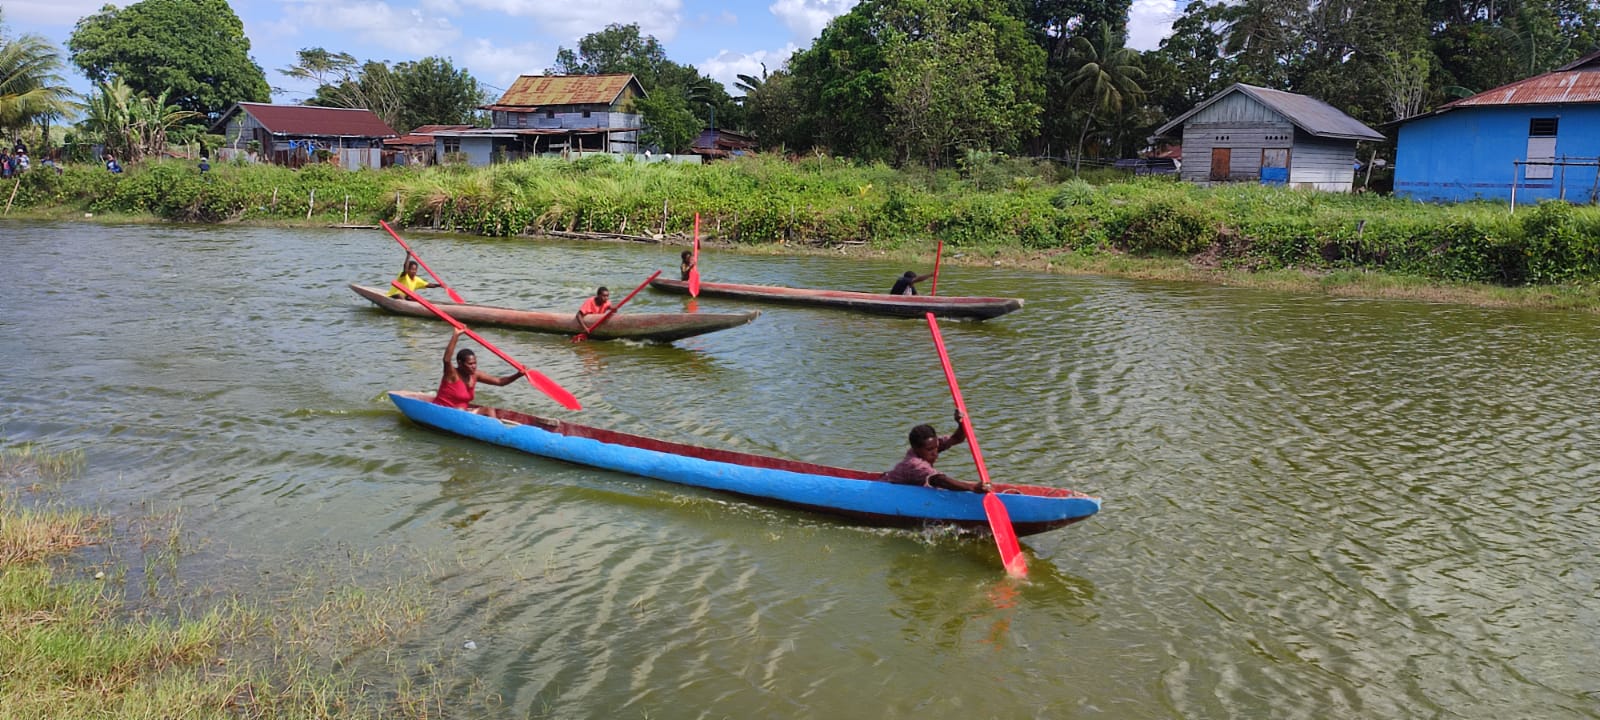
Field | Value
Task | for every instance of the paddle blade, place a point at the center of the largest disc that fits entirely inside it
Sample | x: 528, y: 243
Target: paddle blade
x: 1005, y: 536
x: 694, y: 265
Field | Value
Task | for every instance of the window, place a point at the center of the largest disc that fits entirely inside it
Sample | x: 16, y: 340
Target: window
x: 1541, y: 146
x: 452, y: 145
x: 586, y: 113
x: 550, y: 114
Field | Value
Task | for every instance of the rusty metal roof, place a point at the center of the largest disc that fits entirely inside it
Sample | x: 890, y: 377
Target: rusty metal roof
x: 1307, y: 113
x: 540, y: 90
x: 1552, y: 88
x: 311, y: 120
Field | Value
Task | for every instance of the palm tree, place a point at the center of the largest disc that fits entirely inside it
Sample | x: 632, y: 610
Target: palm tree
x: 1105, y: 76
x: 131, y: 127
x: 31, y: 86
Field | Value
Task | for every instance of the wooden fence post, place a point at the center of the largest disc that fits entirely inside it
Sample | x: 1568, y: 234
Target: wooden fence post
x: 311, y: 203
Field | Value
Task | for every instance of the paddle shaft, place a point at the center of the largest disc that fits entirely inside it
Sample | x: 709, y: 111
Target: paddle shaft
x: 1005, y: 536
x: 694, y: 264
x: 614, y: 308
x: 961, y: 405
x: 414, y: 256
x: 934, y: 289
x: 535, y: 378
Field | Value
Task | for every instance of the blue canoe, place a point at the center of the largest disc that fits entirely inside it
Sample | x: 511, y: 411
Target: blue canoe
x: 855, y: 494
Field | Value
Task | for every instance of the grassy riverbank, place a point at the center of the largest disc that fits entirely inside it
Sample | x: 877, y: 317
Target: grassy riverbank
x: 1012, y: 212
x: 74, y: 646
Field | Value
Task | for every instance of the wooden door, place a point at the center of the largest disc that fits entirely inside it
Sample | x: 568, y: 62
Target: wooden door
x: 1220, y: 160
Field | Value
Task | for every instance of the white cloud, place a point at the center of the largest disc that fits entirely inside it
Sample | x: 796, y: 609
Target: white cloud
x: 806, y: 18
x: 499, y: 66
x: 654, y: 17
x: 405, y: 30
x: 727, y: 66
x: 1150, y: 22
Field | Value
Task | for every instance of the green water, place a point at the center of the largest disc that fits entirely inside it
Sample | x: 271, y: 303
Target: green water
x: 1314, y: 507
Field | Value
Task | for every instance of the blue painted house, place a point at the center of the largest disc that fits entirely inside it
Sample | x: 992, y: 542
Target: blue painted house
x: 1534, y: 139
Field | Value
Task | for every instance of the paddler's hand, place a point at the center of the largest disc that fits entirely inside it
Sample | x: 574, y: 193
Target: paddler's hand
x: 983, y: 487
x: 958, y: 416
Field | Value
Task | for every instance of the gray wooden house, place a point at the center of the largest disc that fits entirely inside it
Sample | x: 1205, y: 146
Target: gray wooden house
x: 1252, y: 134
x: 295, y: 135
x: 565, y: 115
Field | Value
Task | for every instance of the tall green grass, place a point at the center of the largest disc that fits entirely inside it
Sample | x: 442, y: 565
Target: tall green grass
x: 991, y: 204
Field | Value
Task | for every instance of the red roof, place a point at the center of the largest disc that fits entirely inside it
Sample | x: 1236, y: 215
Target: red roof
x: 423, y: 134
x: 311, y: 120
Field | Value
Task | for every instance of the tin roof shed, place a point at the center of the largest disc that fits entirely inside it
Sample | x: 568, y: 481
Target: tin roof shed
x: 543, y: 90
x: 1307, y: 113
x: 308, y: 120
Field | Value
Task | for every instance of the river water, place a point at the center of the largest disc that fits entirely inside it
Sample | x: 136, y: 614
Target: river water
x: 1314, y: 507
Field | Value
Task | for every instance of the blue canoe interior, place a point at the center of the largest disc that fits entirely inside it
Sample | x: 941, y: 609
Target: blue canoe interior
x: 856, y: 494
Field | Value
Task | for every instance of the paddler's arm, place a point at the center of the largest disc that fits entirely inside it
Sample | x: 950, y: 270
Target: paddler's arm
x: 450, y: 349
x: 484, y: 377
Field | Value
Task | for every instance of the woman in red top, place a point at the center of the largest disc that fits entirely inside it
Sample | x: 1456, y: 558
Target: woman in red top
x: 459, y: 383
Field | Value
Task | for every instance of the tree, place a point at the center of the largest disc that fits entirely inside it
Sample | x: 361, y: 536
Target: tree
x: 129, y: 125
x: 669, y: 124
x: 321, y: 66
x: 949, y: 91
x: 844, y: 79
x: 433, y: 92
x: 616, y: 49
x: 1105, y: 79
x: 31, y: 87
x: 196, y: 50
x: 374, y: 87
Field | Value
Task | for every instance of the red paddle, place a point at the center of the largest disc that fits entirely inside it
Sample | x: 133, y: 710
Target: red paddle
x: 1005, y: 537
x: 934, y: 290
x: 694, y: 265
x: 614, y: 308
x: 418, y: 258
x: 535, y: 378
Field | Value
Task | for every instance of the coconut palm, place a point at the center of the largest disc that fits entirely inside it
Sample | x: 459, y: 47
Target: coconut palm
x: 31, y: 86
x: 1104, y: 78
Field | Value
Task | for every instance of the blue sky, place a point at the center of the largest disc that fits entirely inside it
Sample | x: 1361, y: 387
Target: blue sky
x: 497, y: 40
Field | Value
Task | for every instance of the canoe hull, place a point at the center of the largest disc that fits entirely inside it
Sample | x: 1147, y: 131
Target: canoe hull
x: 854, y: 494
x: 944, y: 306
x: 659, y: 327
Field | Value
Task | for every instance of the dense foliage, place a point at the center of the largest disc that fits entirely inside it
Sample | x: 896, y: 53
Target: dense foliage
x: 1378, y: 60
x: 993, y: 204
x: 430, y: 91
x: 193, y: 51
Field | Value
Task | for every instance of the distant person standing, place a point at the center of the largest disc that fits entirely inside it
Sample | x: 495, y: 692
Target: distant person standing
x: 205, y: 165
x: 111, y: 164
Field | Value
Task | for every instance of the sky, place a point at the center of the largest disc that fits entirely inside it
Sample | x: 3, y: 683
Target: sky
x: 497, y: 40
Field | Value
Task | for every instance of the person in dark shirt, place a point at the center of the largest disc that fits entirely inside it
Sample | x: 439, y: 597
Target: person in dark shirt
x: 907, y: 284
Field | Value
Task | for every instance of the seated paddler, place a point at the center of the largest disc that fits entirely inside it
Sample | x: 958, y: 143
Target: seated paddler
x: 408, y: 277
x: 916, y: 468
x: 458, y: 385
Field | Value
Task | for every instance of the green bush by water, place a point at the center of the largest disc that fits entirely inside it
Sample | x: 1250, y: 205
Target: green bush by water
x: 991, y: 204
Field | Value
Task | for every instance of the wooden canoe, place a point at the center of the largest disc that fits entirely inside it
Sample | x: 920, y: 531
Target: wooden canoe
x: 945, y: 306
x: 856, y: 494
x: 659, y: 327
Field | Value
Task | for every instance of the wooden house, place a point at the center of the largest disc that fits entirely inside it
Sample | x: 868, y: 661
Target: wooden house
x: 1534, y: 139
x: 420, y: 147
x: 565, y: 115
x: 293, y: 135
x: 1252, y: 134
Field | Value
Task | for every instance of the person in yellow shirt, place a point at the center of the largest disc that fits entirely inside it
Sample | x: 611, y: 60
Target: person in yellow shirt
x: 408, y: 277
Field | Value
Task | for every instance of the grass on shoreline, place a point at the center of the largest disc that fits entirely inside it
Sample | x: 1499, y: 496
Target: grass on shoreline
x: 993, y: 210
x: 71, y: 646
